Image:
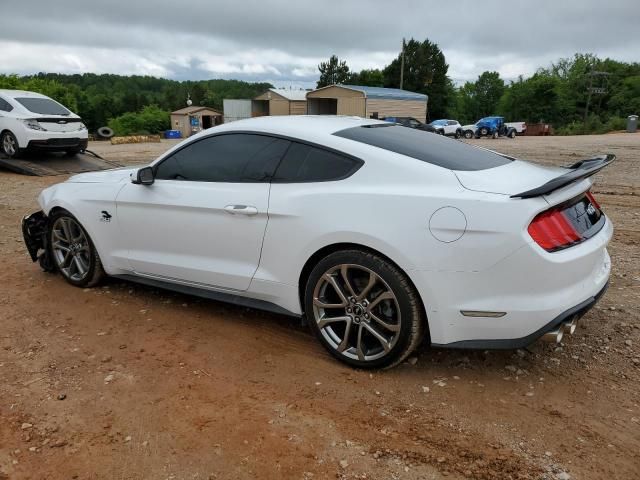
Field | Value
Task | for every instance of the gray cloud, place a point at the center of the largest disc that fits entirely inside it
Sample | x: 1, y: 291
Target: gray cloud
x: 283, y: 41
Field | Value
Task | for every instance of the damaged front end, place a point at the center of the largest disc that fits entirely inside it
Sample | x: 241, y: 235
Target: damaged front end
x: 34, y: 231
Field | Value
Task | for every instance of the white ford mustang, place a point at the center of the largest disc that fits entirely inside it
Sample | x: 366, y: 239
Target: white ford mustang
x: 378, y: 234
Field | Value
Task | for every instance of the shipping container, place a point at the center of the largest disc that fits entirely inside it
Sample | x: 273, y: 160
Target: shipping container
x: 236, y: 109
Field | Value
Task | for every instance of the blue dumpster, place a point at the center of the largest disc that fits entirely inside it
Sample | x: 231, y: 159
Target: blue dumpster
x: 172, y: 134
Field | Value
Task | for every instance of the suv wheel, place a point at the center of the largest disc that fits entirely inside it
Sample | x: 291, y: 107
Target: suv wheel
x: 9, y: 144
x: 363, y: 309
x: 468, y: 134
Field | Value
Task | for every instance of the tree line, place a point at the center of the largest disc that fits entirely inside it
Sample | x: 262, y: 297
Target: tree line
x: 576, y: 95
x: 582, y: 94
x: 143, y: 101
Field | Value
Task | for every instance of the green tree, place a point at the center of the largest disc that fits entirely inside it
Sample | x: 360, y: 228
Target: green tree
x: 333, y: 72
x: 488, y: 89
x: 425, y: 71
x: 150, y: 120
x: 369, y: 78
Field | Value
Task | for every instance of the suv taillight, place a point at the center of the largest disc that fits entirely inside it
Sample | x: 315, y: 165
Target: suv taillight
x: 567, y: 224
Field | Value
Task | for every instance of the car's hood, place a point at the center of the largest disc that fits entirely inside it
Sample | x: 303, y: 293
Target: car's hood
x: 115, y: 175
x: 469, y: 127
x: 510, y: 179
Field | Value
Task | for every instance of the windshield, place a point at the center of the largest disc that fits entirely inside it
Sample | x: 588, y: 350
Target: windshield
x: 44, y: 106
x: 425, y: 146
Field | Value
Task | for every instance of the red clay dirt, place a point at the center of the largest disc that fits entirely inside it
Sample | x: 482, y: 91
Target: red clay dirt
x: 128, y: 382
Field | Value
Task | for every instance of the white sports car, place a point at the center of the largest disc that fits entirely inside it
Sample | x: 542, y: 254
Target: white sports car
x: 379, y: 234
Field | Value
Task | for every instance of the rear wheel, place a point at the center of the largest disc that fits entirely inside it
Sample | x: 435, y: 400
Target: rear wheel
x: 73, y: 252
x: 363, y: 309
x: 10, y: 146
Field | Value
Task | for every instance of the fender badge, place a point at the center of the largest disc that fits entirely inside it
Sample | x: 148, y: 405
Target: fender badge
x: 106, y: 216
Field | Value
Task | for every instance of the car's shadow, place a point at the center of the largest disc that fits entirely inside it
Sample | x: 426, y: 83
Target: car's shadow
x: 424, y: 358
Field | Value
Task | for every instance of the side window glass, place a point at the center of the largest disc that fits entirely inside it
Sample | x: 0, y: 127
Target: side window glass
x: 5, y: 106
x: 232, y: 158
x: 304, y: 163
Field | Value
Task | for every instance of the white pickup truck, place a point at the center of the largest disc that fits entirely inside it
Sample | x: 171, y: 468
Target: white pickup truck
x: 520, y: 127
x: 469, y: 131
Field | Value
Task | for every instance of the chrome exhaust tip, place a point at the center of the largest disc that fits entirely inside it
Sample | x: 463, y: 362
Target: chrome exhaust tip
x: 554, y: 336
x: 570, y: 326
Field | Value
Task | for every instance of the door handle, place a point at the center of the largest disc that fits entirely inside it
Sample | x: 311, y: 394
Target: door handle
x: 241, y: 210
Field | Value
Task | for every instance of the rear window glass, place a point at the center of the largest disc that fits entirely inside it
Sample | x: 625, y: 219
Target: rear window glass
x: 425, y: 146
x: 43, y: 106
x: 304, y: 163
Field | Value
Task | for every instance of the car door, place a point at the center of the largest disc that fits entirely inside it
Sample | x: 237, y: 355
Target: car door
x: 203, y: 219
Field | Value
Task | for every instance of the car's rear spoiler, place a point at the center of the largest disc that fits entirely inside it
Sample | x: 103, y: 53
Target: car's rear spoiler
x: 577, y: 171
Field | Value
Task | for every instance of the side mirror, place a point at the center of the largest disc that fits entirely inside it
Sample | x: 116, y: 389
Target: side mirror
x: 144, y: 176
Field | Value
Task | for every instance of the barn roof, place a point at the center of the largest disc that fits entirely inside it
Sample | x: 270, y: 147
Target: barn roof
x: 290, y: 94
x: 383, y: 93
x: 193, y: 109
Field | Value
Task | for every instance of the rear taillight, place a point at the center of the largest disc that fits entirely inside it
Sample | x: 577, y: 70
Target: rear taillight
x: 568, y: 223
x: 552, y: 231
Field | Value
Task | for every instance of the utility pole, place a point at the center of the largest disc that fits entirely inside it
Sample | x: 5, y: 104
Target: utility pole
x: 402, y: 65
x: 601, y: 90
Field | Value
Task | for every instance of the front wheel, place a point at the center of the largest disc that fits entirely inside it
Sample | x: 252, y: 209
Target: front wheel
x: 468, y: 134
x: 73, y: 252
x: 363, y: 309
x: 10, y: 146
x: 484, y: 131
x: 512, y: 134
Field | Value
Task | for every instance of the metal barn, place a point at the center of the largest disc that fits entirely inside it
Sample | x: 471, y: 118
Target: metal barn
x: 367, y: 102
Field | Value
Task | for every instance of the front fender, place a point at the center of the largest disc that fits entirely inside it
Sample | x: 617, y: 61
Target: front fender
x: 94, y: 206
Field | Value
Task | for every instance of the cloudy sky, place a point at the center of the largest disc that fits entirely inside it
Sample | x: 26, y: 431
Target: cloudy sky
x: 282, y: 41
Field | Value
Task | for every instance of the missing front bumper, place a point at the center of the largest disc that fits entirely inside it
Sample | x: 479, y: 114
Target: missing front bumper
x: 34, y: 231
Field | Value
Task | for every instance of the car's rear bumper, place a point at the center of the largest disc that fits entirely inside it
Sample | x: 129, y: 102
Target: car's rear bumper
x: 58, y: 144
x: 572, y: 314
x: 517, y: 300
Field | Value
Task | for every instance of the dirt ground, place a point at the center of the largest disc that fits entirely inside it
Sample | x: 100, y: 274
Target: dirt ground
x: 128, y: 382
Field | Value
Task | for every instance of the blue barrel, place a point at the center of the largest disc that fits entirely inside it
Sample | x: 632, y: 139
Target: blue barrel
x: 172, y: 134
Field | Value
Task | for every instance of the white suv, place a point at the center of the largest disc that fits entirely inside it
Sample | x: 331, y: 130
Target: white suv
x: 31, y: 121
x: 451, y: 128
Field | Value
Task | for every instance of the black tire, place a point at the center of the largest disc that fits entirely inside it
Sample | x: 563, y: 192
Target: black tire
x: 495, y: 134
x: 94, y: 273
x: 105, y: 132
x: 468, y: 134
x: 484, y: 131
x: 6, y: 140
x: 512, y: 134
x: 458, y: 134
x: 409, y: 323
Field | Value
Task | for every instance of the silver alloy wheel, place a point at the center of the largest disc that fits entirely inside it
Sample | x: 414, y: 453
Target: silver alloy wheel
x: 71, y: 249
x: 357, y: 312
x: 9, y: 144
